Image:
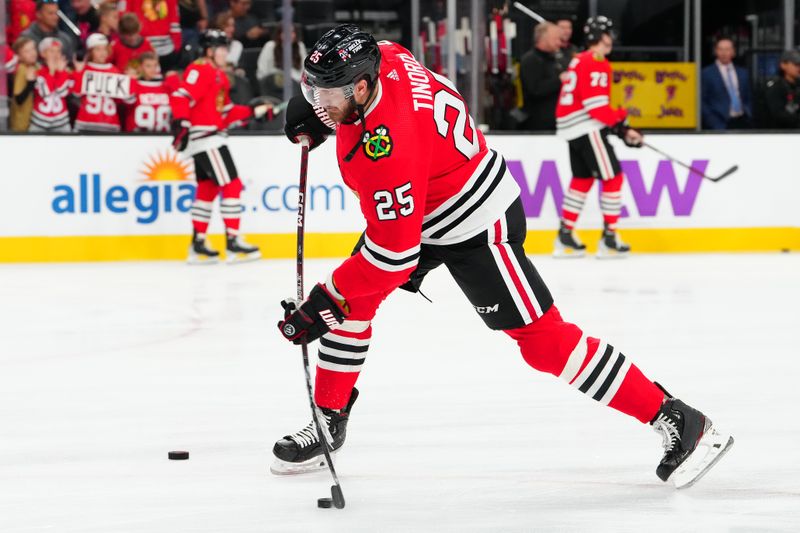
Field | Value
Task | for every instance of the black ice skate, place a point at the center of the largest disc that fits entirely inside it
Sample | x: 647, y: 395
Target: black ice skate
x: 239, y: 251
x: 611, y: 247
x: 692, y: 444
x: 200, y: 253
x: 302, y: 452
x: 567, y: 244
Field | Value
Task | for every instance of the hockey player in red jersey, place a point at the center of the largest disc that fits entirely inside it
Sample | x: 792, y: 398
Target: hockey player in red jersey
x: 433, y: 194
x: 150, y: 110
x: 584, y: 117
x: 202, y: 111
x: 97, y: 112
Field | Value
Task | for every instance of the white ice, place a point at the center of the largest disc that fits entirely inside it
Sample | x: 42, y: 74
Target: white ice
x: 104, y: 368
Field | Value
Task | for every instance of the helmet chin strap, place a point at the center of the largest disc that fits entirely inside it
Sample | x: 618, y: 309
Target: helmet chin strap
x: 362, y: 116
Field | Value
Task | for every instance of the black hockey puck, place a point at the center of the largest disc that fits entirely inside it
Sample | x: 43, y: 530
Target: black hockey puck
x: 178, y: 456
x: 325, y: 503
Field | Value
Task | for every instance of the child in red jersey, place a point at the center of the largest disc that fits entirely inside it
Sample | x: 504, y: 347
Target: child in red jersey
x: 98, y: 110
x: 150, y: 110
x: 130, y: 44
x: 50, y: 112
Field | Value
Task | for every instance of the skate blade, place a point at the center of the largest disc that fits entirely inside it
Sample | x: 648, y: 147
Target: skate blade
x: 611, y: 254
x: 235, y: 259
x: 280, y: 467
x: 569, y: 253
x: 712, y: 446
x: 200, y: 260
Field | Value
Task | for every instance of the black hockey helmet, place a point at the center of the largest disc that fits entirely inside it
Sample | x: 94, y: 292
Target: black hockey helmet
x: 342, y: 57
x: 212, y: 39
x: 595, y: 27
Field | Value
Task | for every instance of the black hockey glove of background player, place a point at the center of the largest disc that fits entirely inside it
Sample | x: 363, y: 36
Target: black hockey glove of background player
x: 180, y: 134
x: 303, y: 119
x: 320, y: 313
x: 621, y: 129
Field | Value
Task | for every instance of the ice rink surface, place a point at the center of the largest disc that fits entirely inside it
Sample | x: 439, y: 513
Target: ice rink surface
x: 104, y: 368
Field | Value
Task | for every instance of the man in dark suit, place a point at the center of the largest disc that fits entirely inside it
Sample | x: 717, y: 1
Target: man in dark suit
x: 726, y: 97
x: 541, y: 78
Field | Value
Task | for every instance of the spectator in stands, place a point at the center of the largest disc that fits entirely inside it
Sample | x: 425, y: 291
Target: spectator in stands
x: 109, y: 20
x: 248, y: 27
x: 193, y: 19
x: 21, y: 14
x: 726, y: 97
x: 541, y: 78
x: 50, y: 112
x: 782, y: 94
x: 130, y: 44
x: 270, y: 62
x: 46, y: 25
x: 160, y: 26
x: 23, y: 85
x: 224, y: 21
x: 98, y: 112
x: 86, y: 18
x: 566, y: 50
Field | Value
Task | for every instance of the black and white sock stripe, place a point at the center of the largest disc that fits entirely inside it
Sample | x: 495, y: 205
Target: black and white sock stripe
x: 342, y: 354
x: 231, y: 208
x: 574, y: 200
x: 611, y: 203
x: 388, y: 260
x: 201, y: 211
x: 602, y: 376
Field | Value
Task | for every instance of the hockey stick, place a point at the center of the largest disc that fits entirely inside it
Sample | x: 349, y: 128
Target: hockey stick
x: 336, y: 488
x: 68, y: 23
x: 725, y: 174
x: 531, y: 13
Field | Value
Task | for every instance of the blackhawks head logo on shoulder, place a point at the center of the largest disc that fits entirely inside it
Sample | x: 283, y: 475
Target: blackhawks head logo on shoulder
x: 377, y: 144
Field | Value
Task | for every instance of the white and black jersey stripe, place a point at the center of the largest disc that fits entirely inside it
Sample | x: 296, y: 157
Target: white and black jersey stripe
x: 484, y: 197
x: 580, y: 122
x: 388, y: 260
x: 162, y: 44
x: 602, y: 376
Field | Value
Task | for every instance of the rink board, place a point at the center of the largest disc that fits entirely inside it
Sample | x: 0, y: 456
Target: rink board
x: 123, y: 198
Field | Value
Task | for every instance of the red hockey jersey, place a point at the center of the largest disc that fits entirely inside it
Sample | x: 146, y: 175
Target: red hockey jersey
x: 203, y: 98
x: 50, y: 99
x: 97, y: 112
x: 150, y: 110
x: 584, y: 103
x: 160, y: 23
x: 423, y: 174
x: 122, y: 54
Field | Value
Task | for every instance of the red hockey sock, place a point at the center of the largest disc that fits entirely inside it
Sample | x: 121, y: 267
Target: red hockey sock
x: 231, y: 206
x: 611, y: 200
x: 592, y: 366
x: 203, y: 202
x: 574, y: 199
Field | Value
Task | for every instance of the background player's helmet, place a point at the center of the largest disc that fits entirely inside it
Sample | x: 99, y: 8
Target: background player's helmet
x: 595, y: 27
x: 213, y: 39
x: 341, y: 58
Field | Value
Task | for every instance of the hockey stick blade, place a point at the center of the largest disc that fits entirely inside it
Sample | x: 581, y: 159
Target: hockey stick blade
x: 725, y: 174
x: 337, y: 496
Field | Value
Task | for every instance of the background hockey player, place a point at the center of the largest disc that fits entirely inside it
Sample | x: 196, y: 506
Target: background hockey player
x: 433, y: 194
x: 202, y: 110
x: 584, y: 117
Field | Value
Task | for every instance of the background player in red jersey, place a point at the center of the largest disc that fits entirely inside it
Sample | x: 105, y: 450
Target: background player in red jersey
x: 432, y: 194
x: 202, y: 111
x: 150, y: 110
x: 585, y: 117
x: 97, y: 112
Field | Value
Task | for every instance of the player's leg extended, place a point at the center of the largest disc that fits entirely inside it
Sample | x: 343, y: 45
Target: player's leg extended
x: 238, y: 251
x: 524, y: 308
x: 202, y: 206
x: 610, y: 198
x: 342, y: 353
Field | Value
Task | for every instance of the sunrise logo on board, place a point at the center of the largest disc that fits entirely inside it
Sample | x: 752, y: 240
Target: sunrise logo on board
x: 166, y: 166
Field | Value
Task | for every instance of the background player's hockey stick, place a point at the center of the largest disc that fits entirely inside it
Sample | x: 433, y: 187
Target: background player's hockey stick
x: 725, y: 174
x: 322, y: 434
x: 531, y: 13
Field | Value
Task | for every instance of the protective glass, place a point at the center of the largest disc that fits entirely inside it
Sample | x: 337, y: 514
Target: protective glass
x: 325, y: 96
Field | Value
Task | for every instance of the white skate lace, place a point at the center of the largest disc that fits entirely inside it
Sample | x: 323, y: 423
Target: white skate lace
x: 308, y: 435
x: 668, y: 430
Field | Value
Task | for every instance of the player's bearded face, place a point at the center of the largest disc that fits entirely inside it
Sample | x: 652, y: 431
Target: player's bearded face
x: 336, y: 101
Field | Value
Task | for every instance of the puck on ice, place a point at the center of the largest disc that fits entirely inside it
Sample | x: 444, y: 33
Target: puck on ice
x: 178, y: 456
x: 324, y: 503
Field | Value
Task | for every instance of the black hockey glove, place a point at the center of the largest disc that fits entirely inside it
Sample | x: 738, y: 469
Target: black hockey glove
x: 315, y: 317
x: 261, y: 107
x: 303, y: 119
x: 180, y: 134
x: 621, y: 129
